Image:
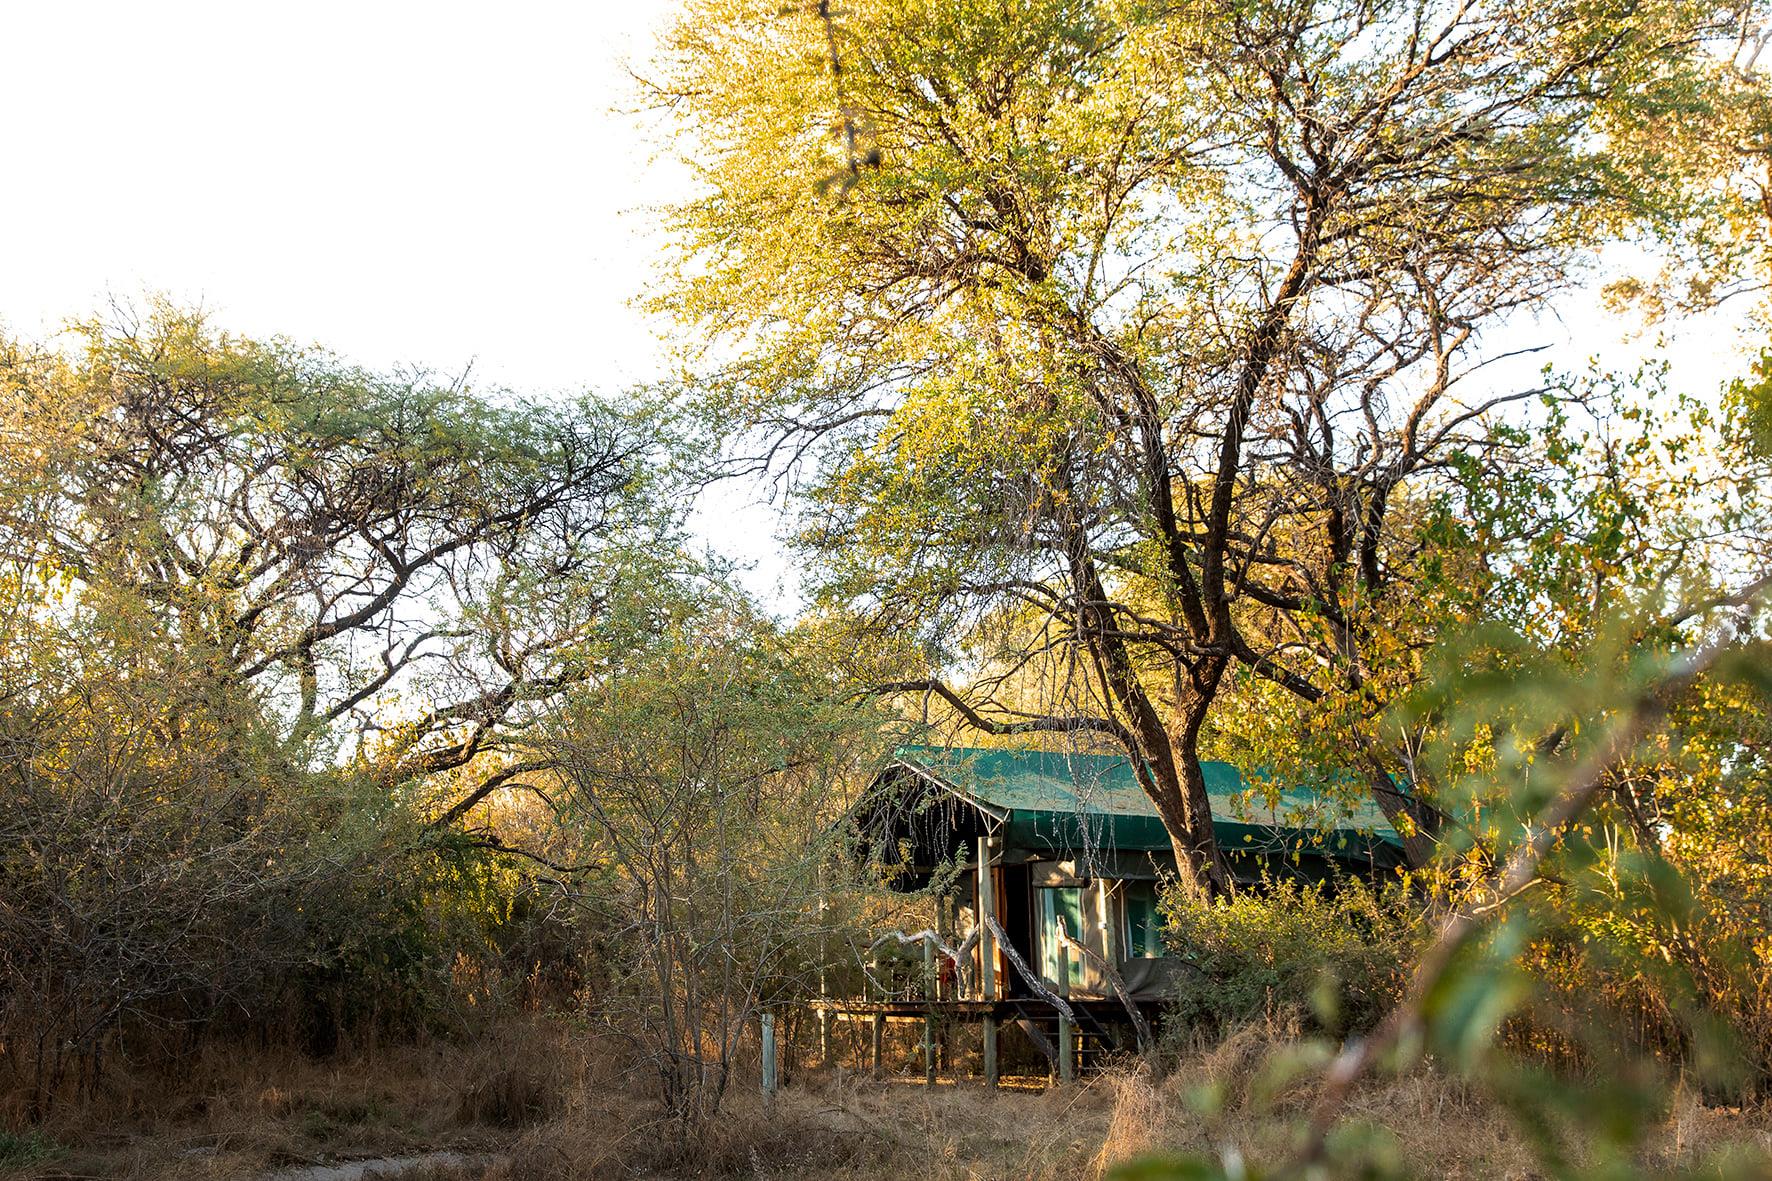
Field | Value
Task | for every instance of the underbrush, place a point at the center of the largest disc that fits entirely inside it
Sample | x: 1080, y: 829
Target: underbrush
x: 544, y: 1101
x: 235, y: 1111
x: 27, y: 1148
x: 1239, y: 1096
x: 1336, y: 957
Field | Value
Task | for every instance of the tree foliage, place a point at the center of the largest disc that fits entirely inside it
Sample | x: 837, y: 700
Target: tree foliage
x: 1146, y: 325
x: 325, y: 537
x: 706, y: 766
x: 266, y: 619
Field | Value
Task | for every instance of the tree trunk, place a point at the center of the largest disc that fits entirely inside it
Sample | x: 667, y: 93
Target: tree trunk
x: 1167, y: 768
x: 1203, y: 850
x: 1415, y: 820
x: 1176, y: 783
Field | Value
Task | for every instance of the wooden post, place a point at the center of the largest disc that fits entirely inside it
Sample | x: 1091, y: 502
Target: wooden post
x: 769, y: 1076
x: 944, y: 926
x: 987, y: 908
x: 987, y: 958
x: 929, y: 1012
x: 824, y: 988
x: 879, y: 1041
x: 1067, y: 1050
x: 879, y: 1017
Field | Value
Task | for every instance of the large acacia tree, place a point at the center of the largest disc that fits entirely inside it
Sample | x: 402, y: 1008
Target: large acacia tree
x: 1134, y: 322
x: 393, y: 569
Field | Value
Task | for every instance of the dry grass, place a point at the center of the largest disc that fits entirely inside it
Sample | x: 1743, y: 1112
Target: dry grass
x: 234, y: 1113
x: 554, y: 1109
x: 1240, y: 1095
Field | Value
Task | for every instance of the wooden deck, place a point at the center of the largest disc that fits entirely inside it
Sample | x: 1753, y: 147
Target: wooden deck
x: 1102, y: 1009
x: 1094, y: 1029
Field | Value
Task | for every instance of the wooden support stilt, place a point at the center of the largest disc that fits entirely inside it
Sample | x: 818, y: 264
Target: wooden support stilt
x: 929, y: 1013
x: 987, y: 907
x: 769, y: 1075
x: 987, y: 957
x: 879, y: 1019
x: 944, y: 920
x: 1067, y: 1050
x: 879, y: 1042
x: 825, y: 1016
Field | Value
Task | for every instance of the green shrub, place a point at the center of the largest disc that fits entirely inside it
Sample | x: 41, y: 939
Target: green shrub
x: 1335, y: 954
x: 19, y: 1149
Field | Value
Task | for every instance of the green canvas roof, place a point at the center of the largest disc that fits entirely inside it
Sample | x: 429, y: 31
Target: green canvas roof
x: 1058, y: 800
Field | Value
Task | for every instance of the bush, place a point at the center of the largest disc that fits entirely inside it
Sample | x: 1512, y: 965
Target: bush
x: 1336, y: 953
x: 18, y: 1150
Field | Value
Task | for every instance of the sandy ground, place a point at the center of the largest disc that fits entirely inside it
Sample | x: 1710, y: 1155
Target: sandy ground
x: 388, y: 1168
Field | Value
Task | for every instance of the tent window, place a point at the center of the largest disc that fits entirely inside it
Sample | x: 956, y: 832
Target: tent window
x: 1066, y: 903
x: 1144, y: 927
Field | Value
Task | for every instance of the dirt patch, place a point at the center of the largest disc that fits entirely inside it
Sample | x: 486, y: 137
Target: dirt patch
x: 430, y: 1166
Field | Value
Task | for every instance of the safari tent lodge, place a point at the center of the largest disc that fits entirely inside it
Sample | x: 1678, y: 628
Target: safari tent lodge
x: 1066, y: 853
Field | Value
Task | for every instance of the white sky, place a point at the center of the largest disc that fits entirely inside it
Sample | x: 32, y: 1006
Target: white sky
x: 429, y: 183
x: 432, y: 184
x: 403, y: 182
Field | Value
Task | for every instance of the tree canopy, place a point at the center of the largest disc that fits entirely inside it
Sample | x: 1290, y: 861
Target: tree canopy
x: 1154, y: 328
